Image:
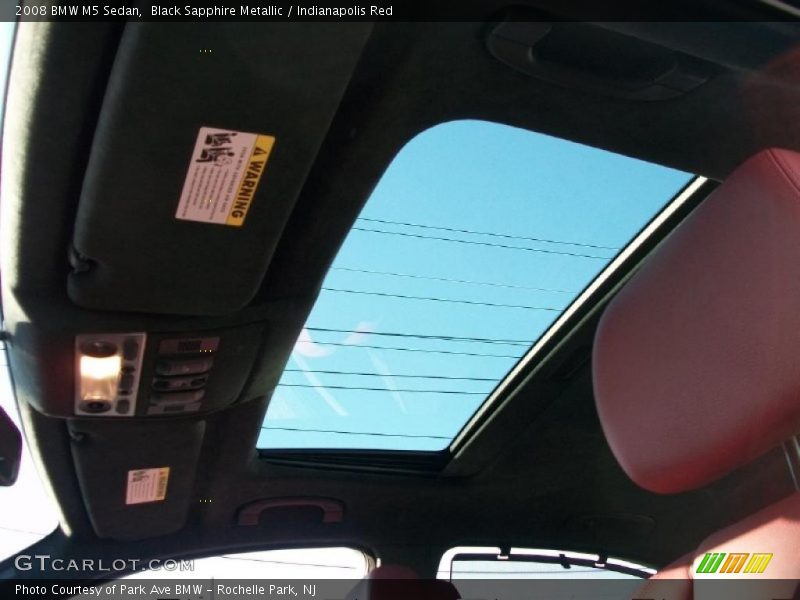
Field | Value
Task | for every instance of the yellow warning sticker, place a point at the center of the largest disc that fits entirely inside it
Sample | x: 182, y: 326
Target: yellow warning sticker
x: 224, y: 171
x: 147, y: 485
x: 252, y: 175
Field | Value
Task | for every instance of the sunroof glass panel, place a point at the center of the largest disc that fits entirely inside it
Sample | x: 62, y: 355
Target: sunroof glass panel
x: 474, y: 241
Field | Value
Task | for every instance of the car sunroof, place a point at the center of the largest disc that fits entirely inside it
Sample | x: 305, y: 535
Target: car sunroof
x: 475, y: 240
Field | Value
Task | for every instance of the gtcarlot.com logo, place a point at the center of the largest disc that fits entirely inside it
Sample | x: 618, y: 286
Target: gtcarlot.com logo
x: 45, y: 563
x: 734, y: 562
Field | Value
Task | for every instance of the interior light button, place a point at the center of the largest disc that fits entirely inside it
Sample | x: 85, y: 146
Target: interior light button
x: 130, y: 349
x: 126, y: 381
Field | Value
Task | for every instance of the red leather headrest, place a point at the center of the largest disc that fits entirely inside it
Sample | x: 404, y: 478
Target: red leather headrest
x: 397, y: 582
x: 696, y: 361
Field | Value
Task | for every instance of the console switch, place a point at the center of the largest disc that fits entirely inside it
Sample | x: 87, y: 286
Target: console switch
x: 175, y: 384
x: 177, y: 397
x: 184, y: 366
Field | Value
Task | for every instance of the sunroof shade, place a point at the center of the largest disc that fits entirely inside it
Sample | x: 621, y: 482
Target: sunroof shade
x: 474, y: 241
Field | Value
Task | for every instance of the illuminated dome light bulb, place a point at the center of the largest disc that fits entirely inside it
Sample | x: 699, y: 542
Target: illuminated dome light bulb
x: 99, y: 377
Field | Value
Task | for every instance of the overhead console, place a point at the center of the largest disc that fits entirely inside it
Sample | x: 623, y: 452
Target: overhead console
x: 136, y: 374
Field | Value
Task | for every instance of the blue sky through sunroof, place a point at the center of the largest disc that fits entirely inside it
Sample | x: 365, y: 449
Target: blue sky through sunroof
x: 473, y: 242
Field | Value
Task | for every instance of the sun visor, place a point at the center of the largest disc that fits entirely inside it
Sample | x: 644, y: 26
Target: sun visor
x: 137, y: 481
x: 204, y: 140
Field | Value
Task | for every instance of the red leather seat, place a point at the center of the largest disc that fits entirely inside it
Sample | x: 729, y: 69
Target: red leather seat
x: 696, y: 362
